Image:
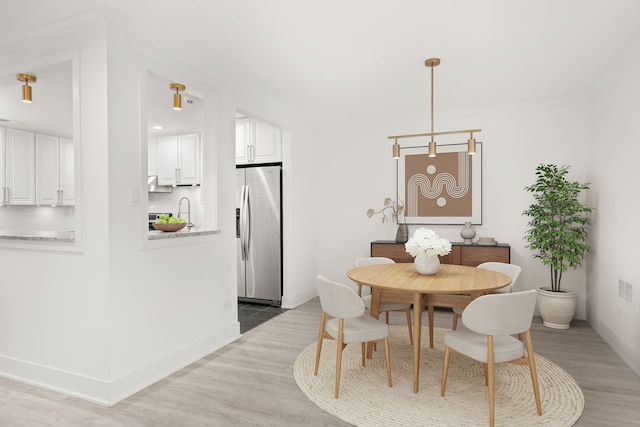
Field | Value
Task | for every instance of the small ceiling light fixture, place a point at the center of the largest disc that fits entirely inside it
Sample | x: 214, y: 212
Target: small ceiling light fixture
x: 396, y: 150
x: 471, y: 142
x: 471, y: 145
x: 26, y: 89
x: 177, y: 98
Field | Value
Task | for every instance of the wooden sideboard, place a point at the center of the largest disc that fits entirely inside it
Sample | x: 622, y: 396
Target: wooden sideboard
x: 461, y: 254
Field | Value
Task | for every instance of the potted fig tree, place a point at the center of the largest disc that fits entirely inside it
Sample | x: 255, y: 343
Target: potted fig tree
x: 558, y: 231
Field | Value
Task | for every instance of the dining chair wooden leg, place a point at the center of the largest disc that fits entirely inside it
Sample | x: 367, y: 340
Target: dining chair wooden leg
x: 534, y: 372
x: 340, y: 347
x: 375, y: 343
x: 323, y: 319
x: 432, y: 311
x: 408, y: 311
x: 445, y: 370
x: 386, y: 317
x: 364, y: 350
x: 492, y: 380
x: 455, y: 321
x: 387, y: 357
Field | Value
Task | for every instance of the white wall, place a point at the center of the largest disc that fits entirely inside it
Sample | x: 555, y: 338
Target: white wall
x: 117, y: 312
x: 615, y: 174
x: 173, y: 304
x: 55, y: 304
x: 355, y: 171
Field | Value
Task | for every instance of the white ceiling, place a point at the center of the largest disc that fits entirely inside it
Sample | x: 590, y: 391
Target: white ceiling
x: 335, y: 60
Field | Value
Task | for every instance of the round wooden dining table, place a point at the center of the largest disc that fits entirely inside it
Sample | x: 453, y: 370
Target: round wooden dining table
x: 451, y: 286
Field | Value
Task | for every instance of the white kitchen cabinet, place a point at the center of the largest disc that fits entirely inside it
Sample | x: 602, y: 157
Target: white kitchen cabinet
x: 67, y: 172
x: 257, y: 142
x: 54, y: 170
x: 47, y: 169
x: 189, y: 158
x: 3, y: 187
x: 243, y: 140
x: 178, y: 159
x: 19, y: 187
x: 152, y: 156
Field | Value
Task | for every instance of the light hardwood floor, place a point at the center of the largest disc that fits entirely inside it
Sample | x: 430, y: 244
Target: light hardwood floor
x: 250, y: 383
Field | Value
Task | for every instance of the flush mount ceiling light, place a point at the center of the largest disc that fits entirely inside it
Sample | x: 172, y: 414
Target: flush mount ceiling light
x: 26, y: 89
x: 177, y: 98
x: 471, y: 142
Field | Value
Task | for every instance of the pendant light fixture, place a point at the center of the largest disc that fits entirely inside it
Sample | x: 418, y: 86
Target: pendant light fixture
x: 432, y: 63
x: 396, y: 150
x: 177, y: 98
x: 26, y: 89
x: 471, y: 145
x: 432, y: 150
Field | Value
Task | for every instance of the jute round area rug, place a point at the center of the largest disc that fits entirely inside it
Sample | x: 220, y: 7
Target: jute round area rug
x: 366, y: 399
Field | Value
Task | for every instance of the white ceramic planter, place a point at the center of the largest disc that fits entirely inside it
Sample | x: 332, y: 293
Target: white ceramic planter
x: 556, y: 308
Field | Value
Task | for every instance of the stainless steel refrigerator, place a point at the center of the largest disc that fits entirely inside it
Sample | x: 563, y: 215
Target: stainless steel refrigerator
x: 259, y: 233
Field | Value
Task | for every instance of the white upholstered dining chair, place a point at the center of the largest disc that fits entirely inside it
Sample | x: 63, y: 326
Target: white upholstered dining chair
x: 511, y: 270
x: 490, y: 321
x: 349, y: 325
x: 385, y: 306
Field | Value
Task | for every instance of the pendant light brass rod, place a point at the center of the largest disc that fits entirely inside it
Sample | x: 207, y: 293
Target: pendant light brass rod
x: 432, y: 67
x: 418, y: 135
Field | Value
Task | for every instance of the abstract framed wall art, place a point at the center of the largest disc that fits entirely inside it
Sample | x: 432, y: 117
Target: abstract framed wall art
x: 446, y: 189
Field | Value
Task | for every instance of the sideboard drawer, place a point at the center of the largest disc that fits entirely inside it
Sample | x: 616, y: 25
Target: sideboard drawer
x: 461, y: 254
x: 395, y: 251
x: 474, y: 255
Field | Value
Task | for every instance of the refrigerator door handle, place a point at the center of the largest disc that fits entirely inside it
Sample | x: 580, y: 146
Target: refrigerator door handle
x: 243, y: 220
x: 247, y: 222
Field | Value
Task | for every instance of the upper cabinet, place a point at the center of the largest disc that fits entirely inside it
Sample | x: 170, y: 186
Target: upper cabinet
x: 257, y: 142
x: 67, y: 172
x: 177, y: 158
x: 152, y: 161
x: 54, y: 171
x: 36, y: 169
x: 3, y: 194
x: 19, y: 187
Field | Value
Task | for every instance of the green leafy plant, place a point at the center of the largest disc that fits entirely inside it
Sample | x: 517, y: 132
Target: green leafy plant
x: 559, y: 224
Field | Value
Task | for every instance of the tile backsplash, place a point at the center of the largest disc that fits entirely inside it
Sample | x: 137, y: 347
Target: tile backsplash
x: 37, y: 218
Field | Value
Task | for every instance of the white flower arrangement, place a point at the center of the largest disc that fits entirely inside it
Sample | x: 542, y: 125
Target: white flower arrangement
x: 426, y: 241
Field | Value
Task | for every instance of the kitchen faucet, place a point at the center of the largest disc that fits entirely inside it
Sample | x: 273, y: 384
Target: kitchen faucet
x: 189, y: 224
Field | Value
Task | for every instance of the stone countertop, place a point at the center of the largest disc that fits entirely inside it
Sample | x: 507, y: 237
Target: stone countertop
x: 69, y: 236
x: 185, y: 232
x: 41, y: 236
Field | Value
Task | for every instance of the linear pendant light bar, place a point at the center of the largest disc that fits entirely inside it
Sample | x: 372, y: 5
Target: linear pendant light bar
x: 471, y: 142
x: 418, y: 135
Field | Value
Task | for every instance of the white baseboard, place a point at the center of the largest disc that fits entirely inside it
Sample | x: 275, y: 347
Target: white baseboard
x: 91, y: 389
x: 619, y: 346
x: 299, y: 299
x: 108, y: 393
x: 134, y: 381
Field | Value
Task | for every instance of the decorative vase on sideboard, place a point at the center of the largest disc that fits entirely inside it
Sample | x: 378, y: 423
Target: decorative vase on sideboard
x: 427, y: 264
x: 556, y: 308
x: 402, y: 235
x: 468, y: 233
